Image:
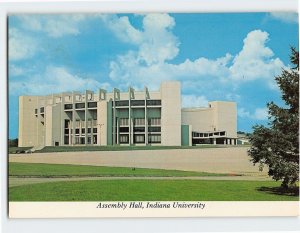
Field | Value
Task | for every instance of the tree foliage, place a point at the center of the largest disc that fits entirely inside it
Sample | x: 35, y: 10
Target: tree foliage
x: 277, y: 146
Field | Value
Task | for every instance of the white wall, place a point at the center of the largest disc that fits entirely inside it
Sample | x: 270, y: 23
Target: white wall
x: 170, y: 114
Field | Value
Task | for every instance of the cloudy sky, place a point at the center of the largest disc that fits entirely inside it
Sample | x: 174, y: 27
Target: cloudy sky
x: 215, y: 56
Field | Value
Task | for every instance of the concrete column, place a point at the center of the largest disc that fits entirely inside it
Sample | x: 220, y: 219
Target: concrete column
x: 85, y: 117
x: 131, y: 129
x: 62, y: 120
x: 215, y: 141
x: 102, y: 123
x: 170, y: 113
x: 73, y: 120
x: 129, y: 121
x: 117, y: 132
x: 146, y: 124
x: 114, y: 123
x: 70, y: 135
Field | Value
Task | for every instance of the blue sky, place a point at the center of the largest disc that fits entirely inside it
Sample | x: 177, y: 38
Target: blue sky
x: 220, y: 56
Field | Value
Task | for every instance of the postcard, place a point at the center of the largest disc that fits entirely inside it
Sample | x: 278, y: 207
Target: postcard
x: 153, y: 114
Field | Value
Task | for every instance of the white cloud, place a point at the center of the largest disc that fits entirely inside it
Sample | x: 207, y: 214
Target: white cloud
x: 258, y: 114
x: 53, y: 80
x: 188, y: 101
x: 53, y: 25
x: 156, y: 43
x: 122, y: 28
x: 288, y: 17
x: 20, y: 46
x: 157, y: 46
x: 255, y: 60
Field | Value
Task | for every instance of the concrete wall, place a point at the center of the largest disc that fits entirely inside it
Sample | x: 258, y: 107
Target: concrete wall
x: 170, y: 114
x: 48, y: 125
x: 56, y: 124
x: 102, y: 123
x: 220, y: 116
x: 27, y: 121
x: 225, y: 117
x: 200, y: 118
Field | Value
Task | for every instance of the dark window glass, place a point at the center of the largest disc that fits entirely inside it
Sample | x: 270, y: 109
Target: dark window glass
x: 124, y: 129
x: 66, y: 131
x: 82, y: 140
x: 94, y: 130
x: 76, y: 131
x: 222, y: 133
x: 89, y: 130
x: 122, y: 103
x: 137, y: 102
x: 68, y: 106
x: 83, y: 130
x: 89, y: 140
x: 80, y: 105
x: 95, y: 139
x: 139, y: 129
x: 154, y: 129
x: 67, y: 122
x: 66, y: 140
x: 35, y: 111
x: 153, y: 102
x: 42, y: 110
x: 92, y: 104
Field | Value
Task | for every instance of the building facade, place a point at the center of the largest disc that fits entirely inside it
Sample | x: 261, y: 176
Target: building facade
x: 123, y: 118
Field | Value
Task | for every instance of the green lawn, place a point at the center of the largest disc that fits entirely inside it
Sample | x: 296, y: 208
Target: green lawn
x: 62, y: 170
x: 152, y: 190
x: 120, y: 148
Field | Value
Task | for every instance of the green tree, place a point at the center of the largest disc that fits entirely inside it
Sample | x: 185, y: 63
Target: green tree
x: 277, y: 146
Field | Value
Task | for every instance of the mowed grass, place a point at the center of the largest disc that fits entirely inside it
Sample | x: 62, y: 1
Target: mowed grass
x: 120, y: 148
x: 65, y: 170
x: 152, y: 190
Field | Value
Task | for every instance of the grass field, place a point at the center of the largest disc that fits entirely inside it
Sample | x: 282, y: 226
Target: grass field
x: 129, y: 189
x: 152, y: 190
x: 119, y: 148
x: 62, y: 170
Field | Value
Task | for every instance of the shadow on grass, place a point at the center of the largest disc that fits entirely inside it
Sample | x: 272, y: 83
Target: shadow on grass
x: 293, y: 191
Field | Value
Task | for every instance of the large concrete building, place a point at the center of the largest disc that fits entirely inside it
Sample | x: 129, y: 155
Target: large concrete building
x: 123, y: 118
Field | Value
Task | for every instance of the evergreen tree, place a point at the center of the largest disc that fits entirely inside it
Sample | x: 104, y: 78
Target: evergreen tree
x: 277, y: 146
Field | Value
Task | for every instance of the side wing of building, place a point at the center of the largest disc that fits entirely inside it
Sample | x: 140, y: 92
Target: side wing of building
x: 216, y: 124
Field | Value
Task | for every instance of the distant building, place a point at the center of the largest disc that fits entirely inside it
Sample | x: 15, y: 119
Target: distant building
x: 242, y: 139
x: 123, y: 118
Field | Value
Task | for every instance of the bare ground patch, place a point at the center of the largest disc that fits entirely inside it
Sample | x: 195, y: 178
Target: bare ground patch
x: 214, y: 160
